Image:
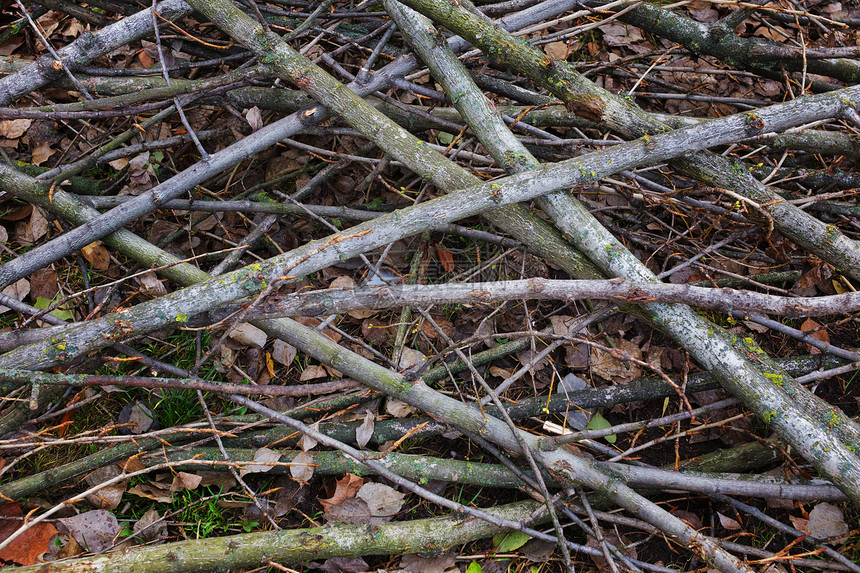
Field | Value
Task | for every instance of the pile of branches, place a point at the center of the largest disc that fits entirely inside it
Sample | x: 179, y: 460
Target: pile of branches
x: 714, y: 147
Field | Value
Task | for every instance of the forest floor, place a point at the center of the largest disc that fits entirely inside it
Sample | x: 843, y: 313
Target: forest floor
x: 670, y: 325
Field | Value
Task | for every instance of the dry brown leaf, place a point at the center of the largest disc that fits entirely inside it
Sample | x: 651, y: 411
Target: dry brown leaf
x: 606, y: 366
x: 265, y: 458
x: 312, y: 372
x: 383, y: 501
x: 110, y: 496
x: 248, y: 335
x: 73, y: 29
x: 283, y: 353
x: 342, y: 282
x: 150, y: 285
x: 556, y: 50
x: 302, y: 467
x: 153, y: 492
x: 345, y: 488
x: 30, y: 545
x: 800, y: 524
x: 612, y: 537
x: 365, y: 431
x: 18, y: 291
x: 94, y: 530
x: 97, y: 255
x: 352, y: 511
x: 811, y: 327
x: 826, y: 522
x: 145, y: 59
x: 500, y: 372
x: 44, y: 284
x: 185, y: 480
x: 14, y: 128
x: 119, y: 164
x: 415, y: 563
x: 729, y: 523
x: 41, y: 153
x: 150, y: 526
x: 397, y: 408
x: 32, y: 230
x: 254, y: 118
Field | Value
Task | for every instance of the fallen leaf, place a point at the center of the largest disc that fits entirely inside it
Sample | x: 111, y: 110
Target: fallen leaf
x: 302, y: 466
x: 314, y: 322
x: 811, y: 328
x: 150, y: 527
x: 343, y: 282
x: 383, y: 501
x: 110, y: 496
x: 729, y: 523
x: 145, y: 59
x: 254, y: 118
x: 150, y: 285
x: 538, y: 551
x: 345, y: 488
x: 556, y: 50
x: 30, y: 545
x: 344, y: 565
x: 826, y: 521
x: 352, y: 511
x: 598, y: 422
x: 32, y: 230
x: 411, y: 358
x: 312, y: 372
x: 249, y: 335
x: 414, y: 563
x: 508, y: 542
x: 612, y: 538
x: 94, y: 530
x: 185, y: 480
x: 14, y: 128
x: 152, y: 491
x: 73, y: 29
x: 270, y: 365
x: 397, y: 408
x: 500, y: 372
x: 44, y: 284
x: 800, y: 524
x: 283, y: 353
x: 97, y: 255
x: 18, y: 291
x: 119, y: 164
x: 365, y: 431
x: 41, y: 153
x: 446, y: 259
x: 605, y: 365
x: 306, y: 442
x: 265, y: 457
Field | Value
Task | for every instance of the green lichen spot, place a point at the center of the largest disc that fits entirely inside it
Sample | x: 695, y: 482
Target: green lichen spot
x: 751, y: 345
x: 181, y: 317
x: 833, y: 419
x: 831, y: 233
x: 777, y: 379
